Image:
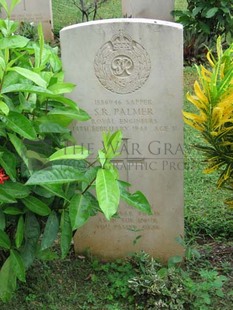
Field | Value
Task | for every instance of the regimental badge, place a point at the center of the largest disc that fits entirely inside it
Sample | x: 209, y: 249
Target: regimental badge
x: 122, y: 65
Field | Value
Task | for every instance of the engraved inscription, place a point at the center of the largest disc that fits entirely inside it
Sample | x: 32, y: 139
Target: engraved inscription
x: 122, y: 65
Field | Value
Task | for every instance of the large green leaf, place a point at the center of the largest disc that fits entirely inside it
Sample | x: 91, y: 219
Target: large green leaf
x: 18, y: 265
x: 16, y: 189
x: 5, y: 197
x: 15, y: 41
x: 25, y: 87
x: 31, y: 235
x: 21, y: 125
x: 48, y: 127
x: 37, y: 206
x: 30, y: 75
x: 8, y: 162
x: 79, y: 210
x: 66, y: 233
x: 19, y: 232
x: 5, y: 242
x: 50, y: 231
x: 108, y: 192
x: 7, y: 280
x: 70, y: 152
x: 79, y: 115
x: 59, y: 174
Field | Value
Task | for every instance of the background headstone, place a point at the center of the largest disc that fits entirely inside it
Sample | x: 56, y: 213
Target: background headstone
x: 128, y: 74
x: 154, y: 9
x: 34, y: 11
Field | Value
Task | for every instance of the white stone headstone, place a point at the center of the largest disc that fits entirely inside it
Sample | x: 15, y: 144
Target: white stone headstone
x: 34, y: 11
x: 154, y: 9
x: 128, y: 74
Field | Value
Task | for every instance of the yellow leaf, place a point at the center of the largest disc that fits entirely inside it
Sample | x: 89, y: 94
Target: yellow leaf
x: 194, y: 100
x: 199, y: 93
x: 211, y: 59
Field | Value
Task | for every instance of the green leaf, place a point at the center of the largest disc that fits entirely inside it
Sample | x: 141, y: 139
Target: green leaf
x: 90, y: 176
x: 8, y: 162
x: 5, y: 197
x: 79, y: 115
x: 71, y: 152
x: 55, y: 189
x: 13, y: 42
x: 4, y: 240
x: 58, y: 174
x: 2, y: 220
x: 30, y: 75
x: 50, y: 231
x: 61, y: 88
x: 4, y: 108
x: 18, y: 265
x: 112, y: 142
x: 19, y: 147
x: 7, y: 280
x: 31, y: 235
x: 4, y: 5
x: 25, y: 87
x: 108, y: 193
x: 66, y: 233
x: 14, y: 4
x: 21, y: 125
x: 137, y: 200
x: 13, y: 211
x: 79, y: 211
x: 211, y: 12
x: 19, y: 232
x: 52, y: 128
x: 37, y: 206
x: 16, y: 189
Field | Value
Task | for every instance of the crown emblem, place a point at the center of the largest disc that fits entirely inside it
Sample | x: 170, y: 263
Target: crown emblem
x: 122, y: 41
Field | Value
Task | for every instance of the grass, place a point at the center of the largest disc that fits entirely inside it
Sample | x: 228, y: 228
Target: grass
x: 84, y: 283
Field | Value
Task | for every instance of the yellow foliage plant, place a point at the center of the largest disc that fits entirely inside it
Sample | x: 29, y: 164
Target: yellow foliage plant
x: 213, y: 100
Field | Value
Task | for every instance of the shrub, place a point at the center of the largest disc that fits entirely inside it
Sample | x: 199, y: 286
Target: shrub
x: 213, y: 100
x: 204, y: 21
x: 45, y: 184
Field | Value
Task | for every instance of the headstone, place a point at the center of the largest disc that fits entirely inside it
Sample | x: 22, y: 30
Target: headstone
x: 34, y: 11
x: 154, y: 9
x: 128, y: 74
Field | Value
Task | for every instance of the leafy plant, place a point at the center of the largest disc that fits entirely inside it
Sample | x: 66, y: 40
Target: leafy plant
x: 117, y: 275
x: 212, y: 17
x: 45, y: 184
x: 170, y: 287
x: 213, y: 102
x: 204, y: 21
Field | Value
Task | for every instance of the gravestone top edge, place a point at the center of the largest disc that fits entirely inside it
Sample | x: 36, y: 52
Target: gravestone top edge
x: 124, y: 20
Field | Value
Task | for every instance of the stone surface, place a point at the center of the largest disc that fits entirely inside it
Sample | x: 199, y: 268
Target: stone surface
x: 34, y: 11
x: 154, y: 9
x: 128, y: 74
